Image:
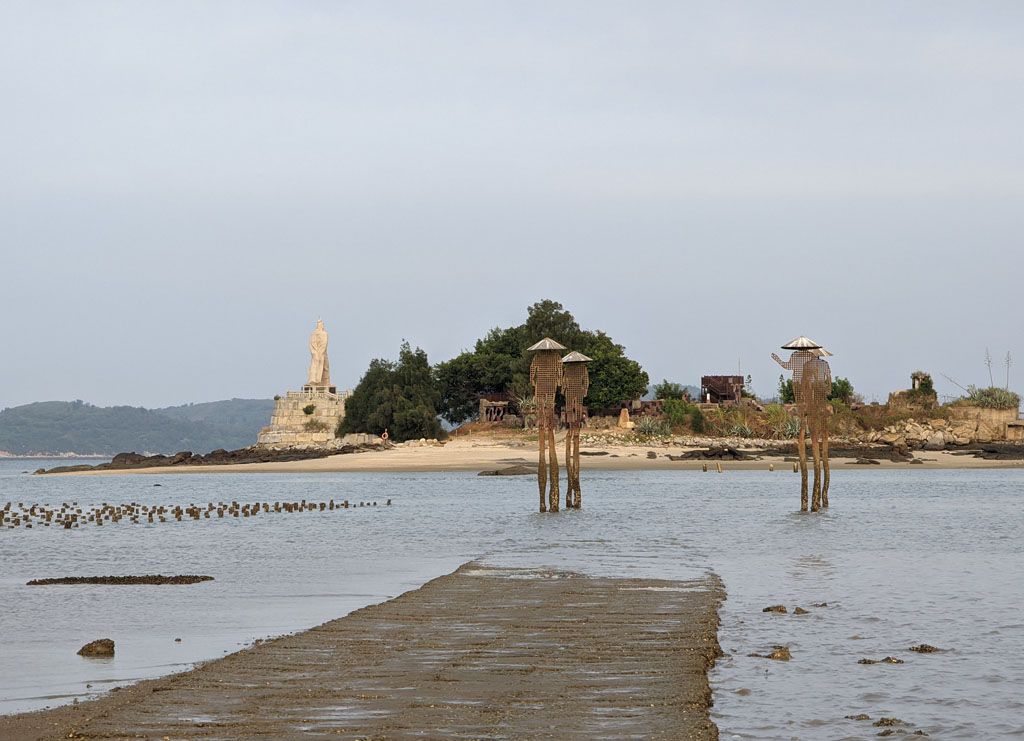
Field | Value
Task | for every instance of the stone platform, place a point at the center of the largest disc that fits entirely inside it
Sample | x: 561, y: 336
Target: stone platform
x: 291, y: 425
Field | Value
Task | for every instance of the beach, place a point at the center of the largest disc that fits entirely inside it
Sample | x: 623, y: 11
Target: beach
x: 482, y: 652
x: 482, y: 453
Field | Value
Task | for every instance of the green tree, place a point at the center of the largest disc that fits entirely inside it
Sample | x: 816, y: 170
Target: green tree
x: 842, y: 390
x: 500, y: 363
x: 786, y: 395
x: 668, y: 390
x: 401, y: 397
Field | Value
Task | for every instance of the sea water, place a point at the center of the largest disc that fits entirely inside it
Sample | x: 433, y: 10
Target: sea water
x: 902, y: 557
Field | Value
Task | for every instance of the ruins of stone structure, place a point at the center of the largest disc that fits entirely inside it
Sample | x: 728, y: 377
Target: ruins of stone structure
x: 812, y: 383
x: 308, y: 417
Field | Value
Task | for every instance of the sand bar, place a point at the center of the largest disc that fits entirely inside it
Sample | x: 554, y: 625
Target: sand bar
x: 480, y: 653
x: 486, y: 453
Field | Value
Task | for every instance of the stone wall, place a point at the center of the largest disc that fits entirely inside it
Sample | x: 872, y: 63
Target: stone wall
x: 291, y: 426
x: 969, y: 424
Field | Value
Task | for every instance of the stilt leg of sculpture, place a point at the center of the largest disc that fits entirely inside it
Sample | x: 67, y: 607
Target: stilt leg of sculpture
x: 542, y: 469
x: 568, y: 470
x: 578, y: 496
x: 553, y: 497
x: 824, y: 460
x: 801, y: 450
x: 816, y: 453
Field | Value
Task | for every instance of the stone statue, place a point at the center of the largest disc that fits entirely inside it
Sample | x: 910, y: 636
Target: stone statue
x: 319, y: 368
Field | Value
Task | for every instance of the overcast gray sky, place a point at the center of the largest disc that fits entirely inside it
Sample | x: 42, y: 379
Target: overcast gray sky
x: 186, y: 186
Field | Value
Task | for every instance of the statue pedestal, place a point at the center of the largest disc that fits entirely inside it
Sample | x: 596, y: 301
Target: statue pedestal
x: 317, y: 390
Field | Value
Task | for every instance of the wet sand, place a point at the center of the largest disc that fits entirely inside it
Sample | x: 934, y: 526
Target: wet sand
x: 486, y: 453
x: 480, y: 653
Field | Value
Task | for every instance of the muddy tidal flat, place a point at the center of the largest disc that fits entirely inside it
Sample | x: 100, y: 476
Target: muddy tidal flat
x: 482, y: 652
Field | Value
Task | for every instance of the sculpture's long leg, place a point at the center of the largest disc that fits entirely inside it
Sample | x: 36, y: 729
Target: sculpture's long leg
x: 578, y: 497
x: 801, y: 450
x: 824, y: 460
x: 816, y: 453
x: 542, y: 469
x: 568, y: 470
x: 553, y: 496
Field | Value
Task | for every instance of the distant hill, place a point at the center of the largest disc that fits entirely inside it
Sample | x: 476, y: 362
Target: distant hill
x: 78, y: 427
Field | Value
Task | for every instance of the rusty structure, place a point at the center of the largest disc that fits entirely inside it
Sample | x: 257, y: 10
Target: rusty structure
x: 718, y: 389
x: 812, y: 383
x: 575, y: 383
x: 546, y: 379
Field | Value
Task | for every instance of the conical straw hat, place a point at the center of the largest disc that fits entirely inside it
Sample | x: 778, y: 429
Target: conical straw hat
x: 801, y: 343
x: 576, y: 357
x: 821, y: 353
x: 546, y: 344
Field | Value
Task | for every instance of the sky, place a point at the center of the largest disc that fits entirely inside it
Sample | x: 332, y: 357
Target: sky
x: 185, y: 187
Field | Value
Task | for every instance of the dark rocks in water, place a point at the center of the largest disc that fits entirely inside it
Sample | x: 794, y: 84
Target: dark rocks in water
x: 924, y: 648
x: 801, y: 611
x: 889, y: 722
x: 779, y: 653
x: 780, y: 609
x: 102, y: 648
x: 593, y: 452
x: 253, y: 454
x: 886, y: 660
x: 159, y: 579
x: 867, y: 462
x: 820, y: 604
x: 715, y: 452
x: 862, y: 716
x: 510, y: 471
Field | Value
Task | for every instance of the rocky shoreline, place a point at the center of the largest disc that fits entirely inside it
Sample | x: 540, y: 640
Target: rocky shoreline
x: 220, y: 457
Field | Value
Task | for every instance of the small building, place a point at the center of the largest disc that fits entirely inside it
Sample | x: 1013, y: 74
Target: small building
x: 718, y: 389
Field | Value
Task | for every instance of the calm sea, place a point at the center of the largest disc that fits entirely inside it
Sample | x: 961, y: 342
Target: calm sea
x: 902, y: 558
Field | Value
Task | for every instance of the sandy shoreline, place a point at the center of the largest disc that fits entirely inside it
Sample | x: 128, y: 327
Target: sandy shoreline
x: 481, y: 652
x: 469, y: 454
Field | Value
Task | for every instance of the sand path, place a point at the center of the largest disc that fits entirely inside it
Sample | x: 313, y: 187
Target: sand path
x: 480, y: 653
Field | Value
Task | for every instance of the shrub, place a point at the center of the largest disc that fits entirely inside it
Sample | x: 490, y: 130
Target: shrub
x: 314, y: 425
x: 652, y: 426
x: 739, y: 431
x: 697, y: 422
x: 677, y: 411
x: 309, y: 408
x: 993, y: 398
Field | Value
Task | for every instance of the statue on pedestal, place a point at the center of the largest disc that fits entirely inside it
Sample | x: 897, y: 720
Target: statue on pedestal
x: 319, y: 368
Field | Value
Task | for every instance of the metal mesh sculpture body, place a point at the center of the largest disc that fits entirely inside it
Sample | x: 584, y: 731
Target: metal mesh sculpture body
x: 575, y: 383
x: 546, y: 379
x: 812, y: 383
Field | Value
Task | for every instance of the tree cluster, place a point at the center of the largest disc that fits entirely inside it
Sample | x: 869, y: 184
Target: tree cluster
x: 499, y: 363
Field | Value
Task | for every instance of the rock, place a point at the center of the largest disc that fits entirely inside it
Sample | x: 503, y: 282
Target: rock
x: 651, y: 454
x: 800, y: 611
x: 779, y: 653
x: 889, y: 722
x: 510, y: 471
x: 820, y: 604
x: 104, y: 647
x: 180, y: 457
x: 935, y: 441
x: 127, y: 458
x: 867, y: 661
x: 924, y: 648
x: 891, y: 660
x: 862, y: 716
x: 867, y: 462
x: 780, y: 609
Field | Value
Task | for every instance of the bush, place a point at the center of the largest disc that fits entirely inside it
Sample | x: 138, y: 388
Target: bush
x: 993, y: 398
x: 697, y: 421
x: 677, y: 411
x: 652, y: 426
x: 739, y: 431
x: 314, y: 425
x: 309, y: 408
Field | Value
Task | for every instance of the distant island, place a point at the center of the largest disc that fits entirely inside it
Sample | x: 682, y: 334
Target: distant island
x: 79, y: 428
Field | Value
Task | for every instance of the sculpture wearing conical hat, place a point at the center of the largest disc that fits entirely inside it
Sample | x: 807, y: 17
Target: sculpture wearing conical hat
x: 812, y: 383
x: 546, y: 379
x: 575, y: 383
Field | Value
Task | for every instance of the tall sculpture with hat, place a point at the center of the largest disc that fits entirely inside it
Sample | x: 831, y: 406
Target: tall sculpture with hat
x: 812, y: 383
x: 575, y: 383
x: 546, y: 379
